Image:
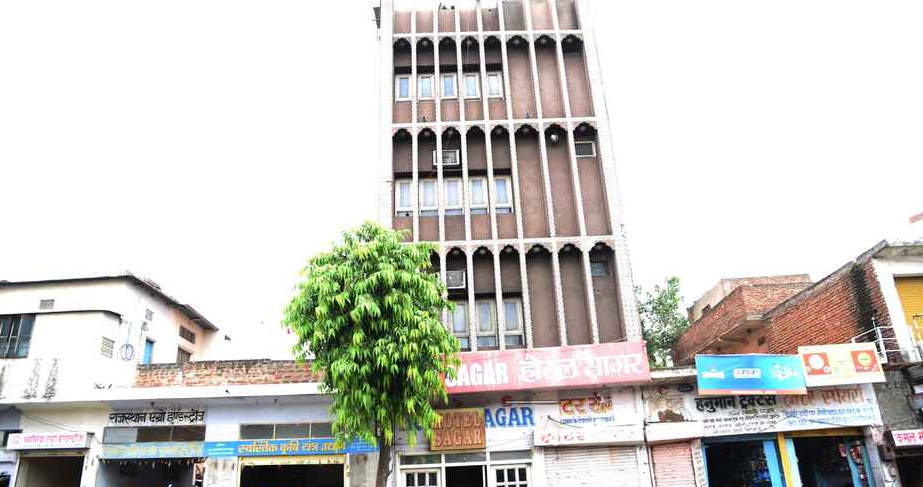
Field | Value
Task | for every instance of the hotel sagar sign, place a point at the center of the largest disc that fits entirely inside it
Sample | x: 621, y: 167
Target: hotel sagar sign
x: 541, y: 368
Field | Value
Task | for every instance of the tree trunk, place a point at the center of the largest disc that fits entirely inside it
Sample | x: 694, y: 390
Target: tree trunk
x: 384, y: 463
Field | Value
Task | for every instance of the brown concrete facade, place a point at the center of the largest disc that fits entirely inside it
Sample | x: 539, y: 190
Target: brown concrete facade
x: 494, y: 110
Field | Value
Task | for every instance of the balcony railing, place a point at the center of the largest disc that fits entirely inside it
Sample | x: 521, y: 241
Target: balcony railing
x: 888, y: 346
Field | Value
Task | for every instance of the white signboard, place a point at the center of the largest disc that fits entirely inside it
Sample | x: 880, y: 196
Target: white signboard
x: 47, y: 441
x: 819, y: 408
x: 669, y: 412
x: 183, y: 417
x: 907, y: 438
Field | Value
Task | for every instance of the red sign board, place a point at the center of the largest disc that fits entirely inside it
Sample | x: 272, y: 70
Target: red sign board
x: 543, y: 368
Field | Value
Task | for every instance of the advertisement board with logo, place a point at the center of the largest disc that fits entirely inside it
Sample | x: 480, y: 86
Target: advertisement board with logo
x: 845, y: 363
x: 719, y: 375
x: 47, y: 441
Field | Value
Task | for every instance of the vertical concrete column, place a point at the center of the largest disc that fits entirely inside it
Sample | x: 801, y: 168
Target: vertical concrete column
x: 558, y: 293
x: 414, y: 130
x: 385, y: 119
x: 472, y: 313
x: 590, y: 294
x: 607, y: 158
x: 526, y: 309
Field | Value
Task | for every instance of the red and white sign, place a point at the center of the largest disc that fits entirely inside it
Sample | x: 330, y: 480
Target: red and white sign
x: 610, y: 435
x: 543, y: 368
x: 841, y: 364
x: 907, y: 438
x: 47, y: 441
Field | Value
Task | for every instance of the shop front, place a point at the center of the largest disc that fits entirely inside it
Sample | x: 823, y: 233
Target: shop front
x: 50, y: 459
x: 908, y: 453
x: 153, y: 448
x: 812, y: 440
x: 315, y: 462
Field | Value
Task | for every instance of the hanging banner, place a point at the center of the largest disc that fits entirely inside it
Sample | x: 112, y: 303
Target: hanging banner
x: 724, y: 375
x: 543, y: 368
x: 175, y: 449
x: 841, y: 364
x: 297, y: 446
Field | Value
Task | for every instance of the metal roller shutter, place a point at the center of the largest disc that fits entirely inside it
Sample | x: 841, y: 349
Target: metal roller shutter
x: 592, y: 467
x: 910, y: 292
x: 673, y: 465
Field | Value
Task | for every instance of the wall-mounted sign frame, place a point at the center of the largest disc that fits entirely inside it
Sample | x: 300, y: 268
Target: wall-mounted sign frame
x: 728, y: 375
x: 841, y: 364
x: 460, y: 429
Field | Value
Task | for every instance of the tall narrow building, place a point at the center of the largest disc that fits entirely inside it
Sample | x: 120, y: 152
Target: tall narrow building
x: 495, y: 145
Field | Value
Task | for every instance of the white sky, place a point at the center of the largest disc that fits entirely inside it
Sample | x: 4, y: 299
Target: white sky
x: 214, y: 145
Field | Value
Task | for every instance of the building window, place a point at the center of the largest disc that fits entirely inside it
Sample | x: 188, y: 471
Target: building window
x: 152, y: 434
x: 285, y: 431
x: 186, y: 334
x: 512, y: 313
x: 148, y: 315
x: 503, y: 202
x: 460, y: 325
x: 428, y: 201
x: 472, y: 86
x: 477, y: 189
x: 487, y: 324
x: 402, y: 87
x: 15, y: 335
x: 585, y: 148
x: 148, y: 352
x: 107, y: 348
x: 494, y: 85
x: 453, y: 197
x: 46, y: 304
x: 449, y: 85
x: 599, y: 268
x: 403, y: 202
x: 182, y: 356
x: 425, y: 87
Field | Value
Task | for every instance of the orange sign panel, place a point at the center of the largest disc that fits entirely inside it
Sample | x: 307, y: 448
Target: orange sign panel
x: 459, y: 429
x: 845, y: 363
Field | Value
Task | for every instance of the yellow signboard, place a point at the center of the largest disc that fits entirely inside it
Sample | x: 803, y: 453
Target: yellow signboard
x: 845, y: 363
x: 459, y: 429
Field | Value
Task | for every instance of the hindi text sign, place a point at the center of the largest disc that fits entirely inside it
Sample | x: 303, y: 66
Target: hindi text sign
x: 543, y: 368
x: 903, y: 438
x: 48, y: 441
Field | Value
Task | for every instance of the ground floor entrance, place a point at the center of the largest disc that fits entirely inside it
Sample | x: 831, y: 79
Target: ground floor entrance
x: 474, y: 469
x: 178, y: 472
x: 818, y: 458
x: 292, y: 475
x: 52, y: 471
x: 910, y: 467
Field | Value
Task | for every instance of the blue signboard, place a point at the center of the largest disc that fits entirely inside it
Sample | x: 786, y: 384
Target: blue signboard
x: 728, y: 375
x: 297, y: 446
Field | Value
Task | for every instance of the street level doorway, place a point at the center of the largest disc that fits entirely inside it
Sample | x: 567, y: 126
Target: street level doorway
x: 292, y: 475
x: 467, y: 476
x: 832, y: 461
x: 58, y: 471
x: 751, y: 463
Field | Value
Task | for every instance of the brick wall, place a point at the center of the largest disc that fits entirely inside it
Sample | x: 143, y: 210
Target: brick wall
x: 746, y: 303
x: 224, y: 373
x: 834, y: 310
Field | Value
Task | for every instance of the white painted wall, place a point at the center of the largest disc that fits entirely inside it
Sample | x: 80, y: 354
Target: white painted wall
x: 887, y: 270
x: 73, y: 331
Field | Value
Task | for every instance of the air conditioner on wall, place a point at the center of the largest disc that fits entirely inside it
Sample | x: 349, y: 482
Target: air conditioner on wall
x: 450, y: 158
x: 455, y: 279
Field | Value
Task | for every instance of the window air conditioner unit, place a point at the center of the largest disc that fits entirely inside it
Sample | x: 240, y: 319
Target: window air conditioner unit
x: 450, y: 158
x: 455, y: 279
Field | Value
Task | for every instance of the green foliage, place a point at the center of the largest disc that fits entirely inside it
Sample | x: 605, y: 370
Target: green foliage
x: 662, y: 320
x: 370, y: 312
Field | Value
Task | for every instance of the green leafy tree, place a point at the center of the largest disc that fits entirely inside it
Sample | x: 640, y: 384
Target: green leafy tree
x: 368, y: 313
x: 662, y: 320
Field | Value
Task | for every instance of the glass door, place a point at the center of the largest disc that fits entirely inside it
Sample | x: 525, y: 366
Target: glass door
x: 421, y: 478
